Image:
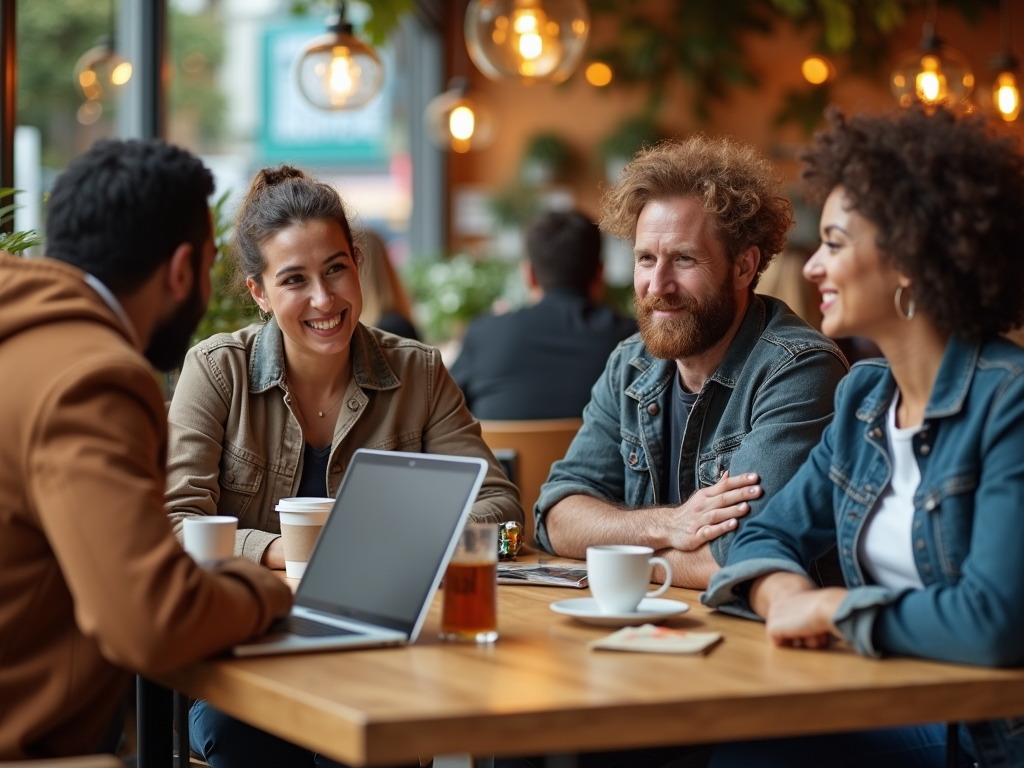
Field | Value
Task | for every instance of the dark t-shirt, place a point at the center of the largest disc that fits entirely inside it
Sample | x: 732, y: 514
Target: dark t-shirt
x: 539, y: 362
x: 314, y: 471
x: 680, y: 406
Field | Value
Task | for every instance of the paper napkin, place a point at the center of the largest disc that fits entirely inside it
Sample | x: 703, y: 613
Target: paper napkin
x: 652, y: 639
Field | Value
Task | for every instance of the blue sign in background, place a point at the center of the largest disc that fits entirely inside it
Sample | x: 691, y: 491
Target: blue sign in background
x: 293, y: 130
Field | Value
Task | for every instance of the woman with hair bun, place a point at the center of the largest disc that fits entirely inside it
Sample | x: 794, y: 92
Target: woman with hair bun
x: 277, y: 409
x: 919, y: 478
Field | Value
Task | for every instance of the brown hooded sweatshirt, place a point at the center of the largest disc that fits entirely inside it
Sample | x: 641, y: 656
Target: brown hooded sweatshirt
x: 93, y: 585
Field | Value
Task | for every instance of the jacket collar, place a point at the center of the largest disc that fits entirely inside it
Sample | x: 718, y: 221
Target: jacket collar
x: 657, y: 374
x: 951, y: 385
x: 370, y: 368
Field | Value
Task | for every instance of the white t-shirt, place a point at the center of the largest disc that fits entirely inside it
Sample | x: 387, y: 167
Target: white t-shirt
x: 886, y: 543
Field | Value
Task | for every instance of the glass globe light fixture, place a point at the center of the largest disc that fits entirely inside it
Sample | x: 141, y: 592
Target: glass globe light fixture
x: 932, y: 74
x: 100, y: 71
x: 532, y: 40
x: 457, y: 121
x: 338, y: 71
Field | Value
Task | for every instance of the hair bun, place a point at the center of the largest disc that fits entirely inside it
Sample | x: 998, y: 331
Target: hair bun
x: 271, y: 177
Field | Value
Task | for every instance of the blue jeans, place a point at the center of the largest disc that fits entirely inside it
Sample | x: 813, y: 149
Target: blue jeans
x: 225, y: 742
x: 921, y: 746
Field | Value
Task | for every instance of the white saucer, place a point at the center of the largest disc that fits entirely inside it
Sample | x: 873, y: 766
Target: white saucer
x: 651, y: 610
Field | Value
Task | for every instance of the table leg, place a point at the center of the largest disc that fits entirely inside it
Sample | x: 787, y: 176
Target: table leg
x: 155, y: 712
x: 181, y: 751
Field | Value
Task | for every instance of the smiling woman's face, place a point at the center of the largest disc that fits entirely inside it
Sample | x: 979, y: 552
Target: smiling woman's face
x: 311, y: 284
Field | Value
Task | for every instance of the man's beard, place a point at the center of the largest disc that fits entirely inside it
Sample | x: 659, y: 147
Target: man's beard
x: 701, y: 325
x: 170, y: 339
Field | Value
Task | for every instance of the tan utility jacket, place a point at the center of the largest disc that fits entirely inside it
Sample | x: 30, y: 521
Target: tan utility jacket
x: 236, y: 446
x: 92, y: 581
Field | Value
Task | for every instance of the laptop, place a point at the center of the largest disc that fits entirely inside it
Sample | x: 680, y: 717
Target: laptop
x: 381, y: 555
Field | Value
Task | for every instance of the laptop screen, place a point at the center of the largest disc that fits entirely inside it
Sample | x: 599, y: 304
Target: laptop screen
x: 386, y: 537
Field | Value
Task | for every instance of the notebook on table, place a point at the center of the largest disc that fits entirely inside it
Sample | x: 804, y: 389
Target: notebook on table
x: 381, y: 555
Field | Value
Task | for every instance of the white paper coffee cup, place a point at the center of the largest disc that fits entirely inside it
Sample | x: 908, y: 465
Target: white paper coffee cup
x: 210, y: 539
x: 302, y: 518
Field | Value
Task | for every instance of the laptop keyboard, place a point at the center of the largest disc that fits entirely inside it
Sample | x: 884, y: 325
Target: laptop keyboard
x: 297, y: 625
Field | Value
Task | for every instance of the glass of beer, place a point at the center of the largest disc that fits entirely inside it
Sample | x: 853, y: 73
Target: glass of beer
x: 471, y: 587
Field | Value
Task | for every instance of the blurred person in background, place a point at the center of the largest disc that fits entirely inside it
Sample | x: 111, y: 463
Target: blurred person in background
x: 540, y: 362
x: 385, y: 302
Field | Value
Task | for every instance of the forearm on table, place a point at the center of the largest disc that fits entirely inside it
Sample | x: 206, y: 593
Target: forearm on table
x: 579, y: 521
x: 692, y: 570
x: 767, y: 589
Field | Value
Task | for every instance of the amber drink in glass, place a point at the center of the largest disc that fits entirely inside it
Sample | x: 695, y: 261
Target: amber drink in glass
x: 471, y: 587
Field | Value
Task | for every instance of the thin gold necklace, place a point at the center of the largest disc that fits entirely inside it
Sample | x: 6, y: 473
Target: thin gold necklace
x: 323, y: 413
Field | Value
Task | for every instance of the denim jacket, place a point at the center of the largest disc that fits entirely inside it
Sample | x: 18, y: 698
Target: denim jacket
x: 968, y: 526
x: 762, y: 411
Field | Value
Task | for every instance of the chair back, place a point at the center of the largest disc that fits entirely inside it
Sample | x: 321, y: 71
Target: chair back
x: 531, y: 447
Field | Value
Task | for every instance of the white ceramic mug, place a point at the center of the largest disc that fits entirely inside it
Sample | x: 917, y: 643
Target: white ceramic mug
x: 619, y: 574
x: 210, y: 539
x: 302, y: 519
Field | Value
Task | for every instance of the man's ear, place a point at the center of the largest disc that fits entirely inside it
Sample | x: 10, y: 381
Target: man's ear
x: 746, y: 267
x: 181, y: 274
x: 528, y: 274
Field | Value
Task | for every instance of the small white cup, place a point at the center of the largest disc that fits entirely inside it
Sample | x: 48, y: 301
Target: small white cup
x: 619, y: 574
x: 210, y: 539
x: 302, y: 519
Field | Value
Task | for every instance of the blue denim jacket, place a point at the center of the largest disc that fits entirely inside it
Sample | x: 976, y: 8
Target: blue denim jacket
x: 968, y: 529
x: 761, y: 411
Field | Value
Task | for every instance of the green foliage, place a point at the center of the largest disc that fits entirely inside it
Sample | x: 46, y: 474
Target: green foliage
x: 632, y: 135
x: 385, y: 18
x: 549, y: 150
x: 451, y: 292
x: 514, y: 205
x: 197, y: 50
x: 51, y: 37
x: 14, y: 242
x: 805, y: 108
x: 230, y: 308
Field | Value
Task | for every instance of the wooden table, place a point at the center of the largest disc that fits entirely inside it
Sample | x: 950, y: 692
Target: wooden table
x: 538, y: 690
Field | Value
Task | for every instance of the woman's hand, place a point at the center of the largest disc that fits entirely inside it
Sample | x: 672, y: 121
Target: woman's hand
x: 804, y: 619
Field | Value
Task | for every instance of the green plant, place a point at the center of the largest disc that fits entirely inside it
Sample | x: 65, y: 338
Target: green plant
x: 387, y: 14
x: 550, y: 151
x: 449, y: 292
x: 629, y: 137
x: 14, y: 242
x: 229, y: 308
x: 514, y: 205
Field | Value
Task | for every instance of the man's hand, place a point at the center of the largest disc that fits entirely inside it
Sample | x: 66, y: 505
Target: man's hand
x: 710, y: 512
x: 273, y: 555
x: 804, y: 619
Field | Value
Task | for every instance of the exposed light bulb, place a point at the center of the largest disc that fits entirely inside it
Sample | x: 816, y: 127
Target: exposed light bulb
x: 531, y: 39
x: 1006, y: 96
x: 930, y: 83
x: 816, y: 70
x: 122, y: 73
x: 462, y: 123
x: 341, y: 74
x: 932, y: 74
x: 337, y: 71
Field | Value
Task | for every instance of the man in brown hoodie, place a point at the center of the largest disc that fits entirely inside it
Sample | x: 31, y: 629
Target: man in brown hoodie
x: 93, y: 585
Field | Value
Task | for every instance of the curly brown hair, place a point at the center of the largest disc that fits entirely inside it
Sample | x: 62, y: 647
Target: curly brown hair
x: 947, y: 197
x: 738, y: 188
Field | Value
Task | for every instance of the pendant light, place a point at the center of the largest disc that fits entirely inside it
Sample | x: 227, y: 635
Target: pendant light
x: 530, y: 40
x: 933, y: 73
x: 99, y: 73
x: 1005, y: 90
x: 458, y: 121
x: 338, y: 71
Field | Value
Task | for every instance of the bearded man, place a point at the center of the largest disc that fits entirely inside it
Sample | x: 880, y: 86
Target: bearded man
x: 717, y: 401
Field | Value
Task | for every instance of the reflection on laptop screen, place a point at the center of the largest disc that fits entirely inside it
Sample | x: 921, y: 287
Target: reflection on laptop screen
x: 386, y: 537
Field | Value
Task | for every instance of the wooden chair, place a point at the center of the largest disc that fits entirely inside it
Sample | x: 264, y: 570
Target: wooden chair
x: 530, y: 447
x: 86, y: 761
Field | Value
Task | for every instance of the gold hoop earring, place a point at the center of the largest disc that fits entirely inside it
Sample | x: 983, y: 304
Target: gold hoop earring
x: 911, y: 305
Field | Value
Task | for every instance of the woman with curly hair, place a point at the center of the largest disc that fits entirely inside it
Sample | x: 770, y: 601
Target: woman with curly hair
x: 918, y: 478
